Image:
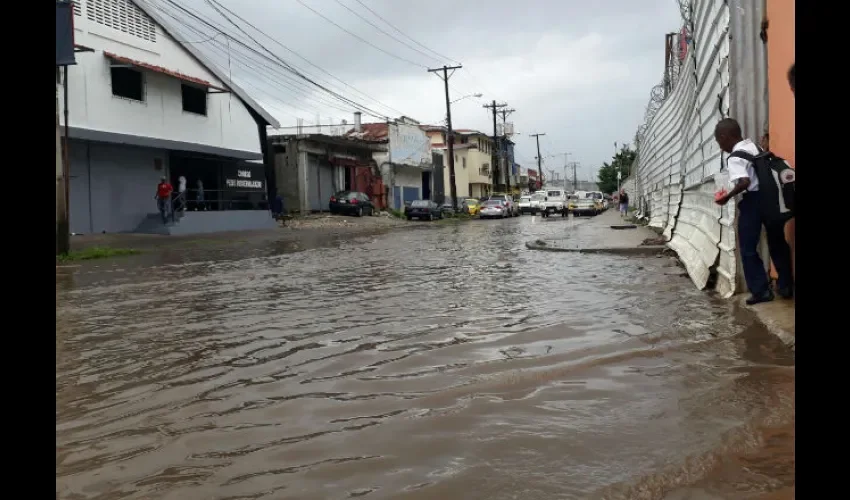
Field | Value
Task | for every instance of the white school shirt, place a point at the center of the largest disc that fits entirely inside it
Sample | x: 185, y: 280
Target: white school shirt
x: 740, y: 168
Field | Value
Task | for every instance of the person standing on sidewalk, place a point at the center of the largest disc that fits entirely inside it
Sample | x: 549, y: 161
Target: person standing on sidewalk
x: 163, y: 198
x: 624, y: 203
x: 742, y: 174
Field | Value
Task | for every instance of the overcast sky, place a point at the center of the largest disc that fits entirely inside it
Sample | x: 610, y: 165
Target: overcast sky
x: 580, y: 72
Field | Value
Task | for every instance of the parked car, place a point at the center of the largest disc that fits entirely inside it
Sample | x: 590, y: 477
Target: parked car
x: 471, y: 206
x: 447, y: 207
x: 509, y: 202
x: 524, y: 204
x: 351, y: 203
x: 423, y: 210
x: 584, y: 206
x: 494, y: 209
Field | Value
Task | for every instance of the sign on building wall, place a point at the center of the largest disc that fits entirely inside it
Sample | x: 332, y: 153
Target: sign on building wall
x: 65, y: 34
x: 244, y: 177
x: 409, y: 145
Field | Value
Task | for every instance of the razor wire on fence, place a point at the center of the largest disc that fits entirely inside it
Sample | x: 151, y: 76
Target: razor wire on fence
x: 677, y: 157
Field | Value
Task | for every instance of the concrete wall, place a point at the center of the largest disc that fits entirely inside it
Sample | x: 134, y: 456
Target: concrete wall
x: 780, y: 56
x: 112, y: 186
x: 228, y: 124
x: 408, y: 178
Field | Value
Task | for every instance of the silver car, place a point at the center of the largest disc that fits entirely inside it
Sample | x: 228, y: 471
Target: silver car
x: 493, y: 209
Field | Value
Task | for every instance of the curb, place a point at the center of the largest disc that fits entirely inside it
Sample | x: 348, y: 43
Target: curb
x: 644, y: 250
x: 786, y: 335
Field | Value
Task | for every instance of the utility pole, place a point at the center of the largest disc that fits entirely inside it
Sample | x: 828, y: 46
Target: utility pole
x: 566, y: 155
x: 450, y: 138
x: 539, y: 158
x: 617, y: 167
x: 496, y: 149
x: 505, y: 112
x: 575, y: 177
x: 63, y: 227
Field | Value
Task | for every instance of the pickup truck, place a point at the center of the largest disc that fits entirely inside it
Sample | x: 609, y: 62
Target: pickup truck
x: 554, y: 203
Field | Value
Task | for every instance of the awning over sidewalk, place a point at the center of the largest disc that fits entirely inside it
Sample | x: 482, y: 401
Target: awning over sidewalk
x: 160, y: 69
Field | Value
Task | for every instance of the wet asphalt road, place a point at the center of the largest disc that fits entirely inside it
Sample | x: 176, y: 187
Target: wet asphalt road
x: 446, y: 361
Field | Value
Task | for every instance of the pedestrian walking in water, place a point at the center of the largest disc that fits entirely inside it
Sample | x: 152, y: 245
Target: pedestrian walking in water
x: 753, y: 213
x: 624, y: 203
x: 163, y: 198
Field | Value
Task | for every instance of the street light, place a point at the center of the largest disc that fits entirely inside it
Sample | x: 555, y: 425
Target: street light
x: 466, y: 96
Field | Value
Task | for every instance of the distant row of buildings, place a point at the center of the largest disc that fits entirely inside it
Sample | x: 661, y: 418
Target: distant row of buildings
x: 135, y: 103
x: 393, y: 162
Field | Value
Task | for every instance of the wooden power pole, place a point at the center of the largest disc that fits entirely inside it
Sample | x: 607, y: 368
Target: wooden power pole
x: 496, y: 148
x: 450, y: 136
x: 539, y: 158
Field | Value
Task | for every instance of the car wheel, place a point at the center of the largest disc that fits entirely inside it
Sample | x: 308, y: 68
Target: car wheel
x: 359, y: 212
x: 409, y: 218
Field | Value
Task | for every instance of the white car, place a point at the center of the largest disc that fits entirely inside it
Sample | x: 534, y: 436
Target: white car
x: 524, y: 204
x: 508, y: 200
x: 537, y: 200
x: 494, y: 209
x: 556, y: 203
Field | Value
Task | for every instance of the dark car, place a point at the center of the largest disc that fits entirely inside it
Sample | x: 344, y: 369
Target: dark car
x: 423, y: 210
x: 351, y: 203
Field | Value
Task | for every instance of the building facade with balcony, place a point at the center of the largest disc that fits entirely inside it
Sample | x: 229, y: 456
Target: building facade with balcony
x: 474, y: 150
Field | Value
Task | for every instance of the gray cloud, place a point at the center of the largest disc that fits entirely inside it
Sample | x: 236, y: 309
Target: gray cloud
x: 579, y: 71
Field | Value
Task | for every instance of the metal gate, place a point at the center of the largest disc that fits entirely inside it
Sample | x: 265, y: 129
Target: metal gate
x: 320, y: 183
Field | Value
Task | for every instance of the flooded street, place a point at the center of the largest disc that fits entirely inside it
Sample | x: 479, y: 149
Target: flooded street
x: 445, y: 361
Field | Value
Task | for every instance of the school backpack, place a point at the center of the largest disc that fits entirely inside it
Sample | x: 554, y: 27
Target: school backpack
x: 776, y: 185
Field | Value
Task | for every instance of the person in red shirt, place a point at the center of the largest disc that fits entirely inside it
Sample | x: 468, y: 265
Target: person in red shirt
x: 163, y: 198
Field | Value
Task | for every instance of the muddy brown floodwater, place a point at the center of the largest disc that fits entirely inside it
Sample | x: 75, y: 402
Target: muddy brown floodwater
x: 445, y: 362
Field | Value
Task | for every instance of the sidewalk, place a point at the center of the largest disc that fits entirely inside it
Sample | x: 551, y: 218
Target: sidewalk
x: 597, y: 236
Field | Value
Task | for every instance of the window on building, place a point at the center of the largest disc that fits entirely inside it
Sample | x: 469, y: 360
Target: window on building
x: 128, y: 83
x: 194, y: 99
x: 464, y: 162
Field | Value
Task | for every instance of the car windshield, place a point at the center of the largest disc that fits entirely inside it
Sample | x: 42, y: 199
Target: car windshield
x: 471, y: 201
x: 497, y: 197
x: 538, y: 197
x: 493, y: 203
x: 420, y: 203
x: 596, y: 196
x: 554, y: 193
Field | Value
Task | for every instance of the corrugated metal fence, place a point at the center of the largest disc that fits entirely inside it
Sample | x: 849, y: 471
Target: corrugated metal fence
x: 723, y: 75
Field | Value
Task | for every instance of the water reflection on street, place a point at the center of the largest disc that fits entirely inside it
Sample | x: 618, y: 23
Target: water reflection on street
x: 447, y: 361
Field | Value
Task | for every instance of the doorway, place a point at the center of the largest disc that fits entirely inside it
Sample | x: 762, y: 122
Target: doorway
x: 426, y: 185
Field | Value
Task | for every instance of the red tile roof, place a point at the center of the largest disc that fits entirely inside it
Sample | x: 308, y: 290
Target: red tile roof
x: 160, y: 69
x: 373, y: 132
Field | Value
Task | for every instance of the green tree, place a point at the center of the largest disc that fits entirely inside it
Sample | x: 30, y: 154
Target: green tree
x: 621, y: 162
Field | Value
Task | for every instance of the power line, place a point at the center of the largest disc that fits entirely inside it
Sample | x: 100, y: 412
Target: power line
x: 385, y: 33
x: 276, y: 59
x: 296, y: 54
x: 262, y: 76
x: 213, y: 3
x: 367, y: 42
x: 442, y: 57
